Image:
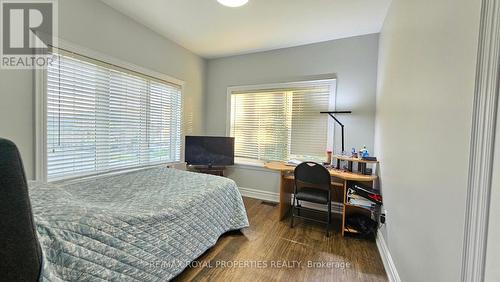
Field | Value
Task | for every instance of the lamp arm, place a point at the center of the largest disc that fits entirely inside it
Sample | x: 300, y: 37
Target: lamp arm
x: 338, y: 121
x: 341, y: 124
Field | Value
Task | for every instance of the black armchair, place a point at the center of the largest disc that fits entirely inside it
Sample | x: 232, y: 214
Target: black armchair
x: 20, y: 252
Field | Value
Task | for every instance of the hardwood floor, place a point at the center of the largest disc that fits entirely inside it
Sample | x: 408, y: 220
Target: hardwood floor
x: 259, y: 252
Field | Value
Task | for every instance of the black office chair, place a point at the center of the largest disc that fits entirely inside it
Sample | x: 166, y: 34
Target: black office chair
x: 20, y: 252
x: 312, y: 184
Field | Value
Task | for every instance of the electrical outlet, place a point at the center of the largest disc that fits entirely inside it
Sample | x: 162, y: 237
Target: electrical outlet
x: 383, y: 216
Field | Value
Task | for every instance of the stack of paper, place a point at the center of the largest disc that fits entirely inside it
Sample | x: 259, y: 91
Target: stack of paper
x: 358, y: 200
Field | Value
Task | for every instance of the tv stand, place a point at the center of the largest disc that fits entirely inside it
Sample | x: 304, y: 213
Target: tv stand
x: 213, y: 170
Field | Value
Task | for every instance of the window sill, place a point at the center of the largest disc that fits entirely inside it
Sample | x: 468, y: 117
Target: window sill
x: 242, y: 163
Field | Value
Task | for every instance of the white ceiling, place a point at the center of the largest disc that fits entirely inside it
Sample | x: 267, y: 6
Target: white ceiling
x: 212, y: 30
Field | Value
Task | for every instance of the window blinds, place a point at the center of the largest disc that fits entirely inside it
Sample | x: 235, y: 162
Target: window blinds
x: 281, y: 123
x: 101, y: 118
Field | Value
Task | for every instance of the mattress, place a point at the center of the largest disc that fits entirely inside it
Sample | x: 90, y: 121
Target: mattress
x: 146, y: 225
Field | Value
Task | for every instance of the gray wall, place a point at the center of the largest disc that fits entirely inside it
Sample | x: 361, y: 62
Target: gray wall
x: 94, y: 25
x: 426, y: 79
x: 352, y: 60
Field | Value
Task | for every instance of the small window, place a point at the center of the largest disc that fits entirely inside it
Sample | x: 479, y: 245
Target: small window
x: 282, y: 121
x: 101, y: 118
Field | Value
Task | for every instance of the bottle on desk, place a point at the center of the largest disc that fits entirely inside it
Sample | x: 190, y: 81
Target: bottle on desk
x: 363, y: 153
x: 328, y: 157
x: 354, y: 154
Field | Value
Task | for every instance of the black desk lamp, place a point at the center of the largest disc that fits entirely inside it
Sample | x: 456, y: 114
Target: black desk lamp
x: 331, y: 113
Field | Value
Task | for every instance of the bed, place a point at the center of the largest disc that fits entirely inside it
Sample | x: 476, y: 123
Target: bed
x: 146, y: 225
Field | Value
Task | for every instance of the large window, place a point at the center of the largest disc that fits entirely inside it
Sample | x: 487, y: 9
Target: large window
x: 101, y: 118
x: 283, y: 121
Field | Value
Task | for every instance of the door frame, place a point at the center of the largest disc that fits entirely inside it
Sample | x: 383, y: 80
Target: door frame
x: 482, y: 143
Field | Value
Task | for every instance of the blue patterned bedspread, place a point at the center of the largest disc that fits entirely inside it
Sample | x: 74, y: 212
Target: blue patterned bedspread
x: 146, y: 225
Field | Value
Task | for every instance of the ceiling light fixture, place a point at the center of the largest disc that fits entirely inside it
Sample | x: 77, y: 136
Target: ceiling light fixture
x: 233, y: 3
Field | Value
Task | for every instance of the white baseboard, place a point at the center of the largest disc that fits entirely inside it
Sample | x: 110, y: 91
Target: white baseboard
x: 274, y: 197
x: 259, y: 194
x: 390, y: 267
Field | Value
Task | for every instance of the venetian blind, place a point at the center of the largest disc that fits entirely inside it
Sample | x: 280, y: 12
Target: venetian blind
x: 280, y: 123
x: 102, y: 118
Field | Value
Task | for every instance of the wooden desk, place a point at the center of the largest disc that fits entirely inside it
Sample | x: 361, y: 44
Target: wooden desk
x: 340, y: 181
x: 335, y: 173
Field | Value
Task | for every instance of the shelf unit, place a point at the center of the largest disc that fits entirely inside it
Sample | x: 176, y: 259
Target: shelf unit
x: 219, y: 171
x: 349, y: 209
x: 362, y: 164
x: 367, y: 180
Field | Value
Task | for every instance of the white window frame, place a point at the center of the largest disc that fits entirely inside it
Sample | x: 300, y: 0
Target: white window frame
x: 40, y: 83
x: 254, y: 87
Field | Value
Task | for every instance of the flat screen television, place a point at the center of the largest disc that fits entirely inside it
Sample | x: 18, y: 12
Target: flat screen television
x: 209, y: 151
